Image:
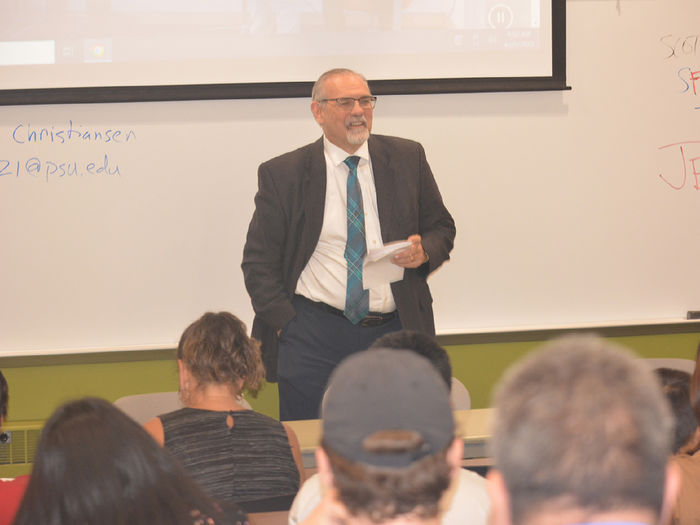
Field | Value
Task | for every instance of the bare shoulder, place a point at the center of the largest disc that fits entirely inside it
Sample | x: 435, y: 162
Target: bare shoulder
x: 291, y: 435
x: 296, y: 451
x: 155, y: 428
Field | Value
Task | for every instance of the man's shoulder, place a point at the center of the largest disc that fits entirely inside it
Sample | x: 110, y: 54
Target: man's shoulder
x: 390, y: 141
x: 297, y: 156
x: 387, y: 149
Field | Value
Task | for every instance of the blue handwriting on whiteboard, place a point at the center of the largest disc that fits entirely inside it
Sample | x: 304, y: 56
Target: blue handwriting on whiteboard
x: 28, y: 134
x: 57, y: 169
x: 689, y: 78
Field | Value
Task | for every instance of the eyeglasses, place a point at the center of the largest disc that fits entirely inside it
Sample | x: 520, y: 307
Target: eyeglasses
x: 348, y: 103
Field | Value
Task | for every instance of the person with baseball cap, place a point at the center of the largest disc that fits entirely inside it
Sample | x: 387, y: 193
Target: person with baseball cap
x: 388, y: 450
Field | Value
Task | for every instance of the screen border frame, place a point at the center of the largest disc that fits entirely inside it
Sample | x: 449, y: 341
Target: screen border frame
x: 261, y: 90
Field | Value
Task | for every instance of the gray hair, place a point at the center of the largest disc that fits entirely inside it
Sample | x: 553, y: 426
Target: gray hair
x: 318, y: 93
x: 581, y: 424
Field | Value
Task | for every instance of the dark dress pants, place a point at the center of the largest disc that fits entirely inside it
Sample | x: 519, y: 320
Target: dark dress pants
x: 310, y: 347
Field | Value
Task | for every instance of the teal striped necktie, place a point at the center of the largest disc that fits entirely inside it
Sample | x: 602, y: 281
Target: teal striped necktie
x: 356, y: 298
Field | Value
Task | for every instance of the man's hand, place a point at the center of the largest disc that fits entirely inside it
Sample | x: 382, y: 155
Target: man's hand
x: 413, y: 256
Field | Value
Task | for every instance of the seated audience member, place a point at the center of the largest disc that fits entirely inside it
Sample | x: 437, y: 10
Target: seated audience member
x: 676, y: 387
x: 235, y: 454
x: 687, y: 508
x: 10, y: 491
x: 95, y: 466
x: 581, y: 434
x: 467, y: 500
x: 388, y: 450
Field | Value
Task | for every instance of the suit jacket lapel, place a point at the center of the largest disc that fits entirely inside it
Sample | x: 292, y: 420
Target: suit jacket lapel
x: 386, y: 186
x: 314, y: 196
x: 314, y: 192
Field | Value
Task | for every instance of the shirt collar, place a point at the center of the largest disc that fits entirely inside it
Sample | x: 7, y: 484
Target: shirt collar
x: 338, y: 155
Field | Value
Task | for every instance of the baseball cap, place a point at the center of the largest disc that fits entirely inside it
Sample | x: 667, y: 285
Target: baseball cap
x: 386, y: 389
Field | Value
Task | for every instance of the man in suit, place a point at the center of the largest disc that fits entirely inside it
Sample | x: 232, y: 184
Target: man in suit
x: 302, y: 263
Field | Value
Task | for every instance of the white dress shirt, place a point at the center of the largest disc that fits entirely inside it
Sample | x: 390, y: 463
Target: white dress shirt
x: 324, y: 279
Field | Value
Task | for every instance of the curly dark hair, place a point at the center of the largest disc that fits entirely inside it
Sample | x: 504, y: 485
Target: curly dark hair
x: 216, y: 349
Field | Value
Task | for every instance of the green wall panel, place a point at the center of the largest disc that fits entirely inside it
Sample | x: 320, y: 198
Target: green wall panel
x: 38, y: 385
x: 37, y: 389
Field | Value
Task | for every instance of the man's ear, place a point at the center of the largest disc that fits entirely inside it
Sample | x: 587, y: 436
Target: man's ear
x: 317, y: 111
x: 671, y: 488
x: 500, y: 499
x: 323, y: 464
x: 455, y: 453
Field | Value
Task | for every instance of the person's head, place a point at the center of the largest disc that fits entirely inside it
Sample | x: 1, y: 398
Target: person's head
x: 388, y: 447
x: 676, y: 387
x: 421, y: 343
x: 581, y: 430
x: 4, y: 398
x: 345, y: 123
x: 695, y: 386
x: 216, y: 349
x: 95, y: 465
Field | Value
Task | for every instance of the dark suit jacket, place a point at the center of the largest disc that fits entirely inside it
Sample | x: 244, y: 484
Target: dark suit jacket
x: 287, y: 223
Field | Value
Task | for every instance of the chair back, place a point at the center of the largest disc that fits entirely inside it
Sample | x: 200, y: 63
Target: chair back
x: 686, y: 365
x: 459, y: 395
x: 143, y: 407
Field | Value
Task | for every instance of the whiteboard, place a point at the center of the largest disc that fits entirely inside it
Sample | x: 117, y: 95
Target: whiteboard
x: 571, y: 207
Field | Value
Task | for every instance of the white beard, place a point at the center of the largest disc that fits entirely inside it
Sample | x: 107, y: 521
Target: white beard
x: 357, y: 135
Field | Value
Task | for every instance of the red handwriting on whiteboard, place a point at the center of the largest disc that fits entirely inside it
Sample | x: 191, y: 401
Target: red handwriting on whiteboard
x: 690, y: 158
x: 689, y: 78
